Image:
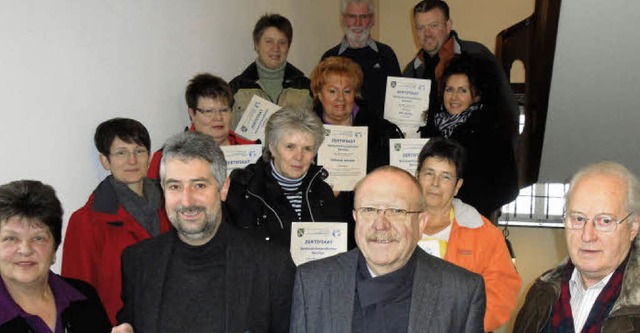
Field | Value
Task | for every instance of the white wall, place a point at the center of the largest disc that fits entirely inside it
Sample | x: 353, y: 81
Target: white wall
x: 66, y: 66
x: 593, y: 112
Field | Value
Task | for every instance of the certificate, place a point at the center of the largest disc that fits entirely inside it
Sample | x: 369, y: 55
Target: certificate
x: 405, y: 102
x: 239, y: 156
x: 317, y: 240
x: 403, y: 153
x: 344, y: 154
x: 254, y: 118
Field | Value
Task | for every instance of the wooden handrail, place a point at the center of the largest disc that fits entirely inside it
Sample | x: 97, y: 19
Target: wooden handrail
x: 532, y: 41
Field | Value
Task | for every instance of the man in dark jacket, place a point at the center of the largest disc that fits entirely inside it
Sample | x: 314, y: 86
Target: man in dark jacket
x: 377, y: 60
x: 204, y: 276
x: 597, y: 289
x: 439, y: 43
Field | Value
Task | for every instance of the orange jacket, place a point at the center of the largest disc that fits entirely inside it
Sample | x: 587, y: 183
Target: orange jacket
x: 477, y: 245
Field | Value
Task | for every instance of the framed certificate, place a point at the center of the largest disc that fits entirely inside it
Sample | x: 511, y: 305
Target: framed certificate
x: 344, y: 154
x: 405, y: 102
x: 317, y: 240
x: 239, y: 156
x: 254, y: 118
x: 403, y: 153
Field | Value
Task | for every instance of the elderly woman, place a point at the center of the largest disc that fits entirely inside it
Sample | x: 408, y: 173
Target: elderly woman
x: 32, y: 298
x: 457, y: 233
x: 209, y: 100
x: 284, y: 186
x: 491, y: 180
x: 124, y: 209
x: 335, y: 84
x: 271, y: 76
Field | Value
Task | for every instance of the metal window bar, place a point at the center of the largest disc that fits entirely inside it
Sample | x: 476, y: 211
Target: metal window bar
x: 540, y: 205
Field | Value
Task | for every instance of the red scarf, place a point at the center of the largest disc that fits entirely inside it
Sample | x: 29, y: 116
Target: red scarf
x: 562, y: 318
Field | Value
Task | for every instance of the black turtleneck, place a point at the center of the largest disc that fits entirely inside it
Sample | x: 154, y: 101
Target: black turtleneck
x: 382, y: 303
x: 194, y: 292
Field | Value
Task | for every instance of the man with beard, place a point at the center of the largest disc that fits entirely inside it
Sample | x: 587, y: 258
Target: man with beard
x: 203, y: 276
x: 377, y: 60
x: 387, y: 284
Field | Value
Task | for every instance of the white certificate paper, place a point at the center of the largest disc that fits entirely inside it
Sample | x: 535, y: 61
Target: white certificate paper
x: 317, y: 240
x: 405, y: 102
x: 239, y: 156
x: 254, y: 118
x: 344, y: 154
x: 403, y: 153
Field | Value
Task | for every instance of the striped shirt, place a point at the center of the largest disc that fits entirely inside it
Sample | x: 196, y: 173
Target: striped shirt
x: 291, y: 188
x: 582, y: 299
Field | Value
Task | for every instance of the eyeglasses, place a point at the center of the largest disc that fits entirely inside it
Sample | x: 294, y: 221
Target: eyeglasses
x: 210, y: 113
x: 124, y: 153
x: 353, y: 17
x: 391, y: 214
x: 601, y: 222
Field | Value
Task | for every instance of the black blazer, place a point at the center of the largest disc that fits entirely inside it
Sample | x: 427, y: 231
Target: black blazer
x: 81, y: 316
x: 259, y: 281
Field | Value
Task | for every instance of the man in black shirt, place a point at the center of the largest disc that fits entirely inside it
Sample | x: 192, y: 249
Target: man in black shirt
x: 377, y: 60
x: 203, y: 276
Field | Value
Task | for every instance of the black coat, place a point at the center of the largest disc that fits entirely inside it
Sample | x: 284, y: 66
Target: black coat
x: 379, y: 133
x: 258, y: 283
x: 490, y: 174
x: 81, y: 316
x: 256, y: 202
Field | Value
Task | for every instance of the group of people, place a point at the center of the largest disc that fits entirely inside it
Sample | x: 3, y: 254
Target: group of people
x: 168, y: 242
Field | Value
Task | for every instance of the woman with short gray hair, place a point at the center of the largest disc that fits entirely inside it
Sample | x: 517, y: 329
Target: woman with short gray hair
x: 285, y: 185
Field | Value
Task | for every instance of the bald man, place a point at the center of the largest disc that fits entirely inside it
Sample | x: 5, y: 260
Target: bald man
x: 387, y: 284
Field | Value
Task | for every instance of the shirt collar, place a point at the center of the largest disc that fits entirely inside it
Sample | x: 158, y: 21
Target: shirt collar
x: 63, y: 293
x: 576, y: 282
x: 344, y: 45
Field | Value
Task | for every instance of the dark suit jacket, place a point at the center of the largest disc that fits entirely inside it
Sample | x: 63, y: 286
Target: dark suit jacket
x: 445, y: 297
x: 259, y: 280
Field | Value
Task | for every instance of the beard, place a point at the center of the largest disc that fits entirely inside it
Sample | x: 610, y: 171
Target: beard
x: 357, y: 40
x: 196, y: 231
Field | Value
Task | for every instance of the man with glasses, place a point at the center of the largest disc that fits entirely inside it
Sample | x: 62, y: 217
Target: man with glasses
x: 377, y: 60
x: 597, y: 288
x: 387, y: 284
x: 209, y: 101
x: 439, y: 43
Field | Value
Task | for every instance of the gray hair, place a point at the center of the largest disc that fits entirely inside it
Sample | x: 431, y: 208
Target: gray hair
x: 345, y: 3
x: 291, y: 119
x: 193, y: 145
x: 632, y: 203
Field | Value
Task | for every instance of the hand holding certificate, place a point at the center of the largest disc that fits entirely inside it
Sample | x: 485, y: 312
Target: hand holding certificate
x: 254, y: 119
x: 405, y: 101
x: 344, y: 154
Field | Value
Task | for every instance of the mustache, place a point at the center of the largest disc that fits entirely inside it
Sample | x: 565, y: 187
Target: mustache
x: 189, y: 209
x: 383, y: 237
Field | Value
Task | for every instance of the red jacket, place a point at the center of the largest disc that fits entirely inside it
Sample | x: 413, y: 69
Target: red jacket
x: 477, y: 245
x: 96, y: 236
x: 154, y: 165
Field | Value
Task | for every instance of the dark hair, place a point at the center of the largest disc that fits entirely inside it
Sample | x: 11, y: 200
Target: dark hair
x: 209, y: 86
x: 445, y: 149
x: 127, y: 130
x: 427, y: 5
x: 273, y: 20
x: 465, y: 65
x: 35, y: 201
